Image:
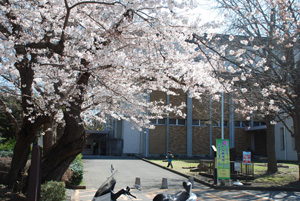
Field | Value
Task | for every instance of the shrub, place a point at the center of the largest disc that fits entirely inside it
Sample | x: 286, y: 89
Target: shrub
x: 8, y: 145
x: 77, y: 170
x: 6, y: 148
x: 53, y: 190
x: 5, y: 153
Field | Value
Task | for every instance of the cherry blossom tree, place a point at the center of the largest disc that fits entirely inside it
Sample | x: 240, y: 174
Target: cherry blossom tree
x: 76, y: 61
x: 260, y: 55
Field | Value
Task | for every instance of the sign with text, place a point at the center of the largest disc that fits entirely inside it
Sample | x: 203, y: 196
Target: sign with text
x: 247, y: 157
x: 237, y: 167
x: 223, y: 159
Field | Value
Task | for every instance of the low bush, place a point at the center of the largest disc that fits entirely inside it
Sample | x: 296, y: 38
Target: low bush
x: 77, y: 170
x: 5, y: 153
x: 53, y: 190
x: 8, y: 145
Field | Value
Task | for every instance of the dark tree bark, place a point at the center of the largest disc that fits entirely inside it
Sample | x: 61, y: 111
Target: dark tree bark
x: 272, y: 161
x: 57, y: 160
x: 31, y: 123
x: 12, y: 118
x: 296, y: 121
x: 48, y: 137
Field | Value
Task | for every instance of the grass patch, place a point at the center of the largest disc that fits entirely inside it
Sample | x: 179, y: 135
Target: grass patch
x: 179, y: 164
x: 287, y: 173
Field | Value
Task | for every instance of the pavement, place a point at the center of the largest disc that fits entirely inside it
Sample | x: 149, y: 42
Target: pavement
x: 130, y: 169
x: 150, y: 176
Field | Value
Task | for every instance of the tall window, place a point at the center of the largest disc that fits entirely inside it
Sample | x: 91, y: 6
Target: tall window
x: 282, y: 139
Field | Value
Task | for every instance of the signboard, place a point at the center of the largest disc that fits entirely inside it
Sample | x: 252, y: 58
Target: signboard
x: 223, y: 159
x: 237, y: 167
x: 246, y: 157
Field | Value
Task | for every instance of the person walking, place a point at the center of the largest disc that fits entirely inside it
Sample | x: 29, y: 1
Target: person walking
x: 170, y: 158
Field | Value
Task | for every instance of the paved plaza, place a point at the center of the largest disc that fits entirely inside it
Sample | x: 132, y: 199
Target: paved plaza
x: 97, y: 169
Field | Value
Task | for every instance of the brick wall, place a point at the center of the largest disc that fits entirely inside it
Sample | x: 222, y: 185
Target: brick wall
x: 178, y: 134
x: 201, y: 144
x: 242, y: 141
x: 158, y: 95
x: 157, y: 140
x: 201, y: 141
x: 177, y: 138
x: 177, y: 100
x: 201, y: 108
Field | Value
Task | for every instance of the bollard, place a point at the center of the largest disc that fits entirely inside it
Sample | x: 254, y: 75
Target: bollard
x: 191, y: 179
x: 137, y: 184
x: 164, y: 184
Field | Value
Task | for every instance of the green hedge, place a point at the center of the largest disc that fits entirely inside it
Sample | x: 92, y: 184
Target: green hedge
x: 8, y: 145
x: 4, y: 153
x: 7, y: 148
x: 77, y: 170
x: 53, y: 190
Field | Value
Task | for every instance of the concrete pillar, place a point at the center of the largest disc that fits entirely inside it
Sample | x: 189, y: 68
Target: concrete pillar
x: 164, y: 184
x: 168, y: 126
x: 189, y: 125
x: 137, y: 184
x: 191, y: 179
x: 147, y: 132
x: 231, y: 122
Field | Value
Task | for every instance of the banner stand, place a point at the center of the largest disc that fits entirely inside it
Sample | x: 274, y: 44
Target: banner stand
x: 223, y: 161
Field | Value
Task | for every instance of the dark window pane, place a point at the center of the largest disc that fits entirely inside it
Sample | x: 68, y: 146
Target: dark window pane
x: 225, y: 123
x: 153, y: 121
x: 246, y: 124
x: 215, y: 123
x: 172, y: 121
x: 195, y: 122
x: 256, y: 123
x: 237, y: 124
x: 161, y: 121
x: 181, y: 121
x: 204, y: 122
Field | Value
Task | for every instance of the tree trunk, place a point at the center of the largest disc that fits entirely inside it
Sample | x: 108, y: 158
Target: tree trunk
x: 60, y: 156
x: 48, y: 137
x: 72, y: 142
x: 272, y: 161
x: 31, y: 122
x: 296, y: 123
x: 21, y: 151
x: 12, y: 118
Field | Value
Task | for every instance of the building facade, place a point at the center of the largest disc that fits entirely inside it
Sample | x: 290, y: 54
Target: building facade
x: 193, y: 135
x: 285, y: 142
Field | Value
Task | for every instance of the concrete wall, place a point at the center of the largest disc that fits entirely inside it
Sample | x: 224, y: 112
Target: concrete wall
x: 132, y: 139
x: 289, y: 152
